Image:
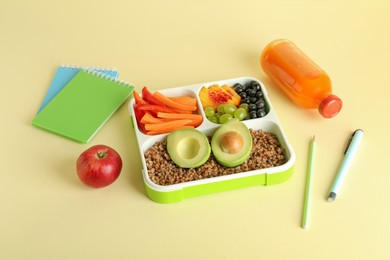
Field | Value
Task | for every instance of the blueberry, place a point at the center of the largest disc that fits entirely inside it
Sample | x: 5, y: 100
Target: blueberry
x: 251, y: 107
x: 252, y: 100
x: 245, y: 100
x: 237, y: 85
x: 251, y: 92
x: 252, y: 114
x: 259, y: 94
x: 260, y: 113
x: 255, y: 85
x: 238, y: 88
x: 260, y: 103
x: 243, y: 94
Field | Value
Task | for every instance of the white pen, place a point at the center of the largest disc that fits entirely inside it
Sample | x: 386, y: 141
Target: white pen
x: 348, y: 156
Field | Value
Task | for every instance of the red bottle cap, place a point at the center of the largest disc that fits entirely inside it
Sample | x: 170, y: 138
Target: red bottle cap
x: 330, y: 106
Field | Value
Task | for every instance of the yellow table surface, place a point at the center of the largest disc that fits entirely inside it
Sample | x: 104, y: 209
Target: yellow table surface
x: 47, y: 213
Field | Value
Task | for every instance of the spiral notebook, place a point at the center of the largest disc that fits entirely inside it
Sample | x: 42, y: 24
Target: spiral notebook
x: 82, y: 107
x: 64, y: 74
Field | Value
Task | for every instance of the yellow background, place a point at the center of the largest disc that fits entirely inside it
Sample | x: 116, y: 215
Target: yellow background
x: 47, y: 213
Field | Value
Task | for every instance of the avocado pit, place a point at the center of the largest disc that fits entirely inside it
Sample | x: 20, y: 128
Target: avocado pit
x: 231, y: 142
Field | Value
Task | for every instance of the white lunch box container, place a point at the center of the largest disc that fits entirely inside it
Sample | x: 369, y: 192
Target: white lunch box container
x: 180, y: 191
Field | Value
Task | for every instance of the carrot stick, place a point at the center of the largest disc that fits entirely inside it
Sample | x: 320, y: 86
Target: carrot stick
x: 172, y: 104
x: 196, y: 118
x: 182, y: 111
x: 185, y: 100
x: 166, y: 130
x: 174, y: 124
x: 150, y: 119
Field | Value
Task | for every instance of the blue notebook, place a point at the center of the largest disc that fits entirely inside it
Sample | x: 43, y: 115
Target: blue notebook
x: 65, y: 74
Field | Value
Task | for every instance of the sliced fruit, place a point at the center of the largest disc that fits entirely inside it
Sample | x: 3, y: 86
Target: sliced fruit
x: 216, y: 95
x: 232, y: 143
x: 236, y: 99
x: 188, y: 148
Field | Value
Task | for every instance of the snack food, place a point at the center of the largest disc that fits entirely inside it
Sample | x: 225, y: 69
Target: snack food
x: 217, y: 177
x: 266, y: 153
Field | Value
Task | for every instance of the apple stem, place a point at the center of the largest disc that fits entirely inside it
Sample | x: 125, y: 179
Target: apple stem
x: 102, y: 154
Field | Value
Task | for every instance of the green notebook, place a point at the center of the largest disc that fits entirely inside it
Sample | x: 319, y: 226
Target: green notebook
x: 81, y: 108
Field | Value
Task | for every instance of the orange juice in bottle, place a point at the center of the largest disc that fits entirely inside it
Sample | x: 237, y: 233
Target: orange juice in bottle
x: 299, y: 77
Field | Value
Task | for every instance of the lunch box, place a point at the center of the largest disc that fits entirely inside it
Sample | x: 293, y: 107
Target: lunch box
x: 178, y: 192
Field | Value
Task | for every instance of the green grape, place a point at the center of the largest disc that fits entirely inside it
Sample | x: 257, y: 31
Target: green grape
x: 224, y: 118
x: 240, y: 114
x: 209, y: 111
x: 217, y: 116
x: 221, y: 109
x: 230, y: 109
x: 213, y: 119
x: 244, y: 106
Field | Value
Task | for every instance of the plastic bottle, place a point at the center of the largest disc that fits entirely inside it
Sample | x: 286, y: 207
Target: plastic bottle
x: 299, y: 77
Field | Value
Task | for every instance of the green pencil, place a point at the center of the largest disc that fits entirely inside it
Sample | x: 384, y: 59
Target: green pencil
x: 306, y: 205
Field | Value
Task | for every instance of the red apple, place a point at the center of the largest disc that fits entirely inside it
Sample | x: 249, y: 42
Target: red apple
x: 99, y: 166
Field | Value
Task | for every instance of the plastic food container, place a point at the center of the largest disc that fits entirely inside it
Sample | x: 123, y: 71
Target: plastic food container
x: 181, y: 191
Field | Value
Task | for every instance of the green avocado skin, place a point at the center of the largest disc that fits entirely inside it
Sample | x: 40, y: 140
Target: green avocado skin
x: 226, y: 159
x: 188, y: 148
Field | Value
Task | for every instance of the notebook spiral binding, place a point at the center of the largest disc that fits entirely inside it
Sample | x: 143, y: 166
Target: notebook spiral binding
x: 105, y: 76
x: 81, y: 67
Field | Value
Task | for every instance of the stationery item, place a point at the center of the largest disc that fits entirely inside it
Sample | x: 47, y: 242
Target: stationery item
x: 306, y: 205
x: 83, y: 106
x: 64, y: 74
x: 348, y: 156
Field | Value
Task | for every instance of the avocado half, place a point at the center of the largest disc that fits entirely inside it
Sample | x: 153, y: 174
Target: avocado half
x: 188, y: 148
x: 225, y: 157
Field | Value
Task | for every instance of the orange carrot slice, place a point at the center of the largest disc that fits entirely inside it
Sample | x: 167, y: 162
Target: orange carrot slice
x: 195, y: 118
x: 185, y: 100
x: 150, y: 119
x: 166, y: 130
x: 174, y: 124
x: 172, y: 104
